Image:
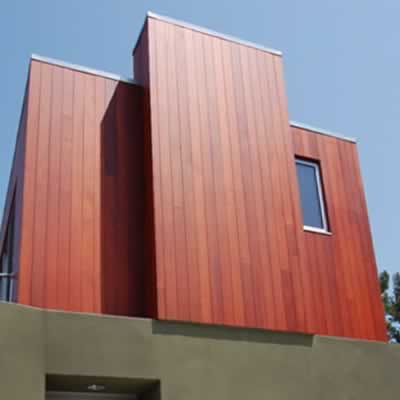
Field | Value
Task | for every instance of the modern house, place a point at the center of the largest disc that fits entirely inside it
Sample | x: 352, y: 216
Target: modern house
x: 236, y: 241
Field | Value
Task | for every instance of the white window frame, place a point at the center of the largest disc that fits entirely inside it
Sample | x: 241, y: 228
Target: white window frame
x: 316, y: 168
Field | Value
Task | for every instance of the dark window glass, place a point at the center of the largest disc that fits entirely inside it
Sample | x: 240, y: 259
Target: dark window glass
x: 7, y: 273
x: 311, y: 194
x: 4, y: 277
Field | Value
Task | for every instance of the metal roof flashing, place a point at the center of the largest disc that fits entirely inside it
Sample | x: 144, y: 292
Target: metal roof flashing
x: 82, y: 68
x: 206, y: 31
x: 322, y: 131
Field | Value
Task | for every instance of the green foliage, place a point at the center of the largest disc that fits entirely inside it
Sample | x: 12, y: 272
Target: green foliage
x: 391, y: 303
x: 384, y: 279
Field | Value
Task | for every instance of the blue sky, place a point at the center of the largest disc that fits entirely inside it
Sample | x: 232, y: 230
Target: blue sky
x: 342, y: 64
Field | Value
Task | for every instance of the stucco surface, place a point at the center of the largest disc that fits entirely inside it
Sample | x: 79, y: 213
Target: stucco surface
x: 185, y: 361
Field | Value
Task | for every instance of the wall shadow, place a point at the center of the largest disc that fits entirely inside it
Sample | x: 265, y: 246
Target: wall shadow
x: 220, y: 332
x: 122, y: 202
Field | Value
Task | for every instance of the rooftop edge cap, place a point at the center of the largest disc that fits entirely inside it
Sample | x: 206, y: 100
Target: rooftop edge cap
x: 322, y: 131
x: 206, y: 31
x: 82, y: 68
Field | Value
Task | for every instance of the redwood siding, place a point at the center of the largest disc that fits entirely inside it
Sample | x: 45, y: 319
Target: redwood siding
x: 179, y: 200
x: 142, y: 76
x: 122, y: 210
x: 226, y: 226
x: 14, y: 195
x: 229, y: 245
x: 342, y: 266
x: 79, y: 248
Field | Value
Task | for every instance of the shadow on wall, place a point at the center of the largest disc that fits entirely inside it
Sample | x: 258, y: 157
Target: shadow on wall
x: 122, y: 202
x: 230, y: 333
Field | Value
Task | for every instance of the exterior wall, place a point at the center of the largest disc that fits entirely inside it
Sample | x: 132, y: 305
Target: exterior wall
x: 15, y: 190
x: 76, y: 231
x: 122, y: 203
x: 226, y: 219
x: 141, y: 73
x: 343, y: 275
x: 229, y: 246
x: 179, y: 200
x: 187, y: 361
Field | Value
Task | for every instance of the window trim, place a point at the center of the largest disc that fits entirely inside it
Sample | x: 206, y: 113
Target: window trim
x: 316, y: 230
x: 316, y: 167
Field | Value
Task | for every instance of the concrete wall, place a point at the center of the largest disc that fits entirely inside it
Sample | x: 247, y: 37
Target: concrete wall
x: 184, y: 361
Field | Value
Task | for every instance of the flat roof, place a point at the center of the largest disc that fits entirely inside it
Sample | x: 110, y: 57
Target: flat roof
x: 322, y: 131
x: 82, y: 68
x: 210, y: 32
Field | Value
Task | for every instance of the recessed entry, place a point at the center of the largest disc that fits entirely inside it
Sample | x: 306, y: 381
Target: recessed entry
x: 88, y: 396
x: 67, y: 387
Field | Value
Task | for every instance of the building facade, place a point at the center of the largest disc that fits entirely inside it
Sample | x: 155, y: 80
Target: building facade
x: 186, y: 195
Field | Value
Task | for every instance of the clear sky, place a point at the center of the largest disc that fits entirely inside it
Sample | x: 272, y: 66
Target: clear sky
x: 342, y: 69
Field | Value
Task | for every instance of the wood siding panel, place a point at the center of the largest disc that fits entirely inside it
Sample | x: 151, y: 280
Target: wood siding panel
x: 122, y: 200
x: 228, y: 244
x: 29, y: 177
x: 53, y: 209
x: 63, y: 275
x: 14, y: 197
x: 81, y: 246
x: 143, y: 53
x: 214, y: 168
x: 343, y: 268
x: 179, y: 200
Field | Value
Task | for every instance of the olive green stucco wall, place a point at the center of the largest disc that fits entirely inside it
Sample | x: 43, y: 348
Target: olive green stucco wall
x: 189, y: 361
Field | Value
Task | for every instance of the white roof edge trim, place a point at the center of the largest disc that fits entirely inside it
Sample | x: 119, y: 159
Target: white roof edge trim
x: 322, y: 131
x: 82, y: 68
x: 210, y: 32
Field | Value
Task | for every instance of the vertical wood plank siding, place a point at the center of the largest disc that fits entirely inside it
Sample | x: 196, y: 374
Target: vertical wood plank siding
x: 179, y: 199
x: 81, y: 220
x: 229, y: 246
x: 14, y: 195
x: 151, y: 171
x: 122, y: 208
x: 222, y: 167
x: 344, y: 271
